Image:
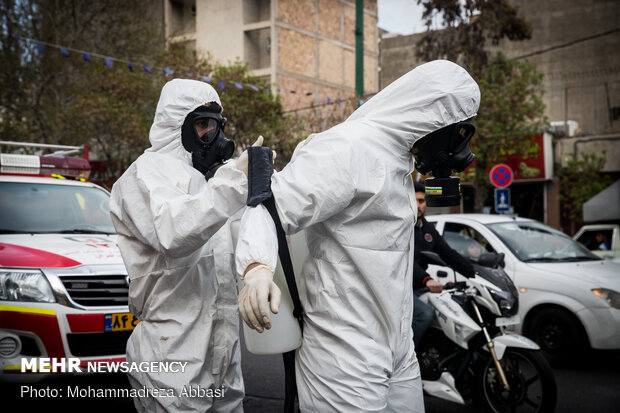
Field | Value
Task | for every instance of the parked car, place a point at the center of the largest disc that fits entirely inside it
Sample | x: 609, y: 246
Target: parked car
x: 602, y: 239
x: 63, y: 285
x: 569, y: 298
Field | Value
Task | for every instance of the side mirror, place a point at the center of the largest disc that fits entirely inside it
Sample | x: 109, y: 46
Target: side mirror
x: 492, y: 260
x: 433, y: 258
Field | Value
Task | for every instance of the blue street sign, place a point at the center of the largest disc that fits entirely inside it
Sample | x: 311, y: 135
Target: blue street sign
x: 502, y: 199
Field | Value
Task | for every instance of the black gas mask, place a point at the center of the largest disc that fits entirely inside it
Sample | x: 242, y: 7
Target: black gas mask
x: 438, y: 154
x: 203, y: 136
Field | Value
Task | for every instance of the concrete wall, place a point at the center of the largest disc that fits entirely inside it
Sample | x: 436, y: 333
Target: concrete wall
x: 397, y: 57
x: 219, y: 29
x: 582, y: 79
x: 570, y: 148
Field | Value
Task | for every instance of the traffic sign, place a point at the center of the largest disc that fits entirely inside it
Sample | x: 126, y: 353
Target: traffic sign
x: 502, y: 199
x: 501, y: 175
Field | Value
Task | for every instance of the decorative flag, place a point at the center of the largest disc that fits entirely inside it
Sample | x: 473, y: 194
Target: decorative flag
x: 254, y: 88
x: 206, y: 79
x: 329, y: 100
x: 147, y: 69
x: 220, y: 84
x: 188, y: 74
x: 168, y: 71
x: 108, y: 62
x: 282, y: 91
x: 86, y: 57
x: 339, y: 101
x: 130, y: 66
x: 64, y: 52
x: 40, y: 47
x: 238, y: 85
x: 361, y: 102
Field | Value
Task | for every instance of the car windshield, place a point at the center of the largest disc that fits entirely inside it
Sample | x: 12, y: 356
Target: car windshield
x: 48, y: 208
x: 536, y: 242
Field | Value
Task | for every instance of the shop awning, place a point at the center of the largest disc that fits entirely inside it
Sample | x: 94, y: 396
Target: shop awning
x: 604, y: 206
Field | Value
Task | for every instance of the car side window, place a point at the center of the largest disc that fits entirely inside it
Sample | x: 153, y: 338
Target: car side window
x: 596, y: 239
x: 466, y: 241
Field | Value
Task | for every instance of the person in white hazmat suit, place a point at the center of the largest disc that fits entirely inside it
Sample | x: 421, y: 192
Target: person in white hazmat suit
x: 175, y: 239
x: 351, y: 189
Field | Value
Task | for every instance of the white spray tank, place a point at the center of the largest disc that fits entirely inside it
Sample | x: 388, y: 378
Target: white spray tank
x: 284, y: 334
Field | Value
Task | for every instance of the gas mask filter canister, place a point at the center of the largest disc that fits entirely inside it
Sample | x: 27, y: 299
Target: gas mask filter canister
x: 438, y: 154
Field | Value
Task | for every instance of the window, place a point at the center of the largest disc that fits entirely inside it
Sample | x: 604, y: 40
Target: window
x: 43, y: 208
x: 596, y: 239
x: 466, y: 241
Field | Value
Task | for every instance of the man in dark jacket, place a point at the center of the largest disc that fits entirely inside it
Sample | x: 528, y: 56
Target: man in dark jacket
x: 428, y: 239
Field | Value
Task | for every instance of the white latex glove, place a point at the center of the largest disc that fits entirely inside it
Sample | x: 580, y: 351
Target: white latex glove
x: 242, y: 162
x: 259, y: 289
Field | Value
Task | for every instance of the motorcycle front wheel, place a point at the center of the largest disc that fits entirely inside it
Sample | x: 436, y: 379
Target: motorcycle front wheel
x: 530, y: 378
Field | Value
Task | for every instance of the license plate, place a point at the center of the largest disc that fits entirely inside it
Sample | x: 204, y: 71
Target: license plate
x: 119, y: 322
x: 507, y: 321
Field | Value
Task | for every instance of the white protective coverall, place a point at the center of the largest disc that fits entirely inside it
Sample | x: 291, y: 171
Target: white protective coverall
x: 351, y: 189
x: 175, y: 239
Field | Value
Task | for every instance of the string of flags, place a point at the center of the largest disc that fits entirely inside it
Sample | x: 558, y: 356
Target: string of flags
x: 109, y: 62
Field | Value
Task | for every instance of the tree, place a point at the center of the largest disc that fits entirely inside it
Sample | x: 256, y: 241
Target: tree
x: 48, y: 98
x: 253, y: 112
x: 468, y: 26
x: 511, y: 108
x: 580, y: 180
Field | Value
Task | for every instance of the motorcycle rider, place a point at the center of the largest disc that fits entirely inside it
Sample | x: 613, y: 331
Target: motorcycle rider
x: 428, y: 239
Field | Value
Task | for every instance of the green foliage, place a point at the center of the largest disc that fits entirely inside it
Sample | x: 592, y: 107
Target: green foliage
x: 511, y: 107
x: 65, y: 100
x: 580, y: 180
x: 468, y: 26
x: 252, y: 113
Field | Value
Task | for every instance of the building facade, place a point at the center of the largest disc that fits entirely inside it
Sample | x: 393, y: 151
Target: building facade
x: 574, y: 45
x: 305, y: 48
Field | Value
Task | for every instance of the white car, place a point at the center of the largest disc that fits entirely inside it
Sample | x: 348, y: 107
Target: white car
x: 63, y: 285
x: 608, y: 246
x: 569, y: 298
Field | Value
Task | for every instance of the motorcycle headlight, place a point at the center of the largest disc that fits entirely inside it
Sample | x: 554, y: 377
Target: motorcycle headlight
x: 612, y: 297
x: 25, y: 285
x: 506, y: 301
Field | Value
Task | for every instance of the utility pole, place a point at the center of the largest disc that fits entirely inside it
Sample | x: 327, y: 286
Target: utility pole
x: 359, y: 48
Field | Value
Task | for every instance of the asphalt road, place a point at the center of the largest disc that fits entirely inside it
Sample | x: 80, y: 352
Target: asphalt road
x: 592, y: 384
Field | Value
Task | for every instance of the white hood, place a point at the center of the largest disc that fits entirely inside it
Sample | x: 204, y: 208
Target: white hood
x: 178, y: 98
x: 429, y: 97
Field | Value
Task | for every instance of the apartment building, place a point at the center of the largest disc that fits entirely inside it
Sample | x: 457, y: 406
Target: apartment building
x: 305, y: 48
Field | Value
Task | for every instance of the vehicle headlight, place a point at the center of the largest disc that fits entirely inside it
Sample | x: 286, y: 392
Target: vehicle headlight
x: 25, y: 285
x: 612, y: 297
x: 506, y: 301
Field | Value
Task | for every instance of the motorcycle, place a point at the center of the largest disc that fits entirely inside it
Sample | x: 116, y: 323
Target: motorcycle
x: 468, y: 355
